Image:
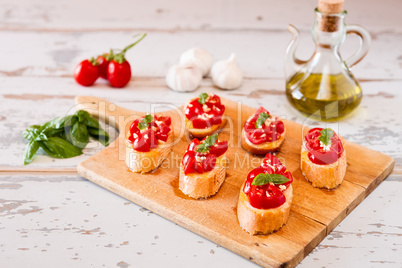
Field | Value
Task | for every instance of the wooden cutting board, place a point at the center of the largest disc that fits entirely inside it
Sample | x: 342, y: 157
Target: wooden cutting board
x: 314, y: 213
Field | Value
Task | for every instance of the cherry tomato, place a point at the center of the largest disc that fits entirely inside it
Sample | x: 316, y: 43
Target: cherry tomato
x: 187, y: 156
x: 201, y: 123
x: 316, y: 152
x: 118, y: 74
x: 86, y: 72
x: 141, y: 145
x: 193, y: 109
x: 209, y: 163
x: 219, y: 148
x: 266, y: 197
x: 103, y: 63
x: 165, y: 119
x: 193, y: 144
x: 192, y: 166
x: 134, y: 127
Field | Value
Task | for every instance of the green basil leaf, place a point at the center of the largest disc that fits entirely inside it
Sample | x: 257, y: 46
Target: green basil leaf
x: 202, y: 98
x: 262, y: 179
x: 79, y: 135
x: 59, y: 148
x: 90, y: 121
x: 208, y: 142
x: 202, y: 148
x: 142, y: 125
x: 148, y: 118
x: 261, y: 119
x: 100, y: 135
x: 144, y: 122
x: 31, y: 133
x: 326, y: 135
x: 81, y: 115
x: 30, y: 150
x: 50, y: 124
x: 67, y: 121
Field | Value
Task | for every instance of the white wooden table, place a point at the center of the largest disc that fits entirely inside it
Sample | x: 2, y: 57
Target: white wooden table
x: 50, y: 216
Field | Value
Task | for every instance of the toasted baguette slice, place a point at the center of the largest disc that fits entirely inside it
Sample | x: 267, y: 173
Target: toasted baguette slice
x: 263, y: 221
x: 143, y: 162
x: 324, y: 176
x: 201, y: 133
x: 262, y: 148
x: 206, y: 184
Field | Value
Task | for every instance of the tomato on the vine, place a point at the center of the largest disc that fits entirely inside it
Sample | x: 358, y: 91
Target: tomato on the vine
x: 118, y: 74
x: 86, y: 72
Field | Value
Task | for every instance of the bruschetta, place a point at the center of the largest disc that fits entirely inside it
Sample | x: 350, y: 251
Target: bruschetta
x: 204, y: 115
x: 265, y: 198
x: 262, y: 133
x: 203, y: 168
x: 323, y: 158
x: 148, y: 143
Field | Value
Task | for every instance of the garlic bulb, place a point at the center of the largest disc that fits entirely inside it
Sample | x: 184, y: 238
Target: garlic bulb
x: 200, y: 57
x: 184, y: 77
x: 226, y: 74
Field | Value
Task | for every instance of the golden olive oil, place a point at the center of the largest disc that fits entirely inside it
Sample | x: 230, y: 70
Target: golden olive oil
x: 324, y: 97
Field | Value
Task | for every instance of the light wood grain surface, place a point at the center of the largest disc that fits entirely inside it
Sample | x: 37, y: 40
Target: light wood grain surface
x: 49, y: 215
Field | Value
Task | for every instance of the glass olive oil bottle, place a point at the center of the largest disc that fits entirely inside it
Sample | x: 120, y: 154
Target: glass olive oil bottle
x: 323, y: 87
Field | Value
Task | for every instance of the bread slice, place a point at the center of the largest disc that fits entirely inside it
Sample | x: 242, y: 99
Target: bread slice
x: 324, y: 176
x: 143, y: 162
x: 203, y: 132
x: 206, y: 184
x: 263, y: 221
x: 262, y: 148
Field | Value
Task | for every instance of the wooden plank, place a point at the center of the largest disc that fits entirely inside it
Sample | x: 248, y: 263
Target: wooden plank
x: 215, y: 218
x: 194, y: 15
x: 259, y: 54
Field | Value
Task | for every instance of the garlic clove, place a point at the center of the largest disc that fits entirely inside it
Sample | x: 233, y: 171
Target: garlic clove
x: 200, y: 57
x: 184, y: 78
x: 226, y: 74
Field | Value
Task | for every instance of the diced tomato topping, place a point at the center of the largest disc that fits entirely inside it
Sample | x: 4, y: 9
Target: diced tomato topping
x: 146, y: 139
x: 317, y: 153
x: 211, y: 112
x: 267, y: 196
x: 267, y: 133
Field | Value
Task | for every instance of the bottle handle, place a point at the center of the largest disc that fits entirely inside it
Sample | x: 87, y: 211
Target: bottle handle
x: 365, y: 41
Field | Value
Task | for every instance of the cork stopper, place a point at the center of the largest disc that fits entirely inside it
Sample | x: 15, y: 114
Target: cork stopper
x: 330, y: 6
x: 329, y: 22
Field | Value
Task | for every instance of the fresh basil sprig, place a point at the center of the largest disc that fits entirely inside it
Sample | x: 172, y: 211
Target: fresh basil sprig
x: 207, y: 143
x: 261, y: 119
x: 144, y: 123
x: 202, y: 98
x: 262, y: 179
x: 63, y: 138
x: 326, y: 135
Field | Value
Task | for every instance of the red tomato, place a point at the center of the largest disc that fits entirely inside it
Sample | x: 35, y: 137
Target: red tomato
x: 192, y: 166
x: 141, y: 145
x: 103, y: 63
x: 266, y: 197
x: 165, y: 119
x: 200, y: 123
x: 193, y: 144
x: 118, y: 74
x: 219, y: 148
x: 317, y: 154
x: 86, y: 72
x: 187, y: 156
x: 209, y: 163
